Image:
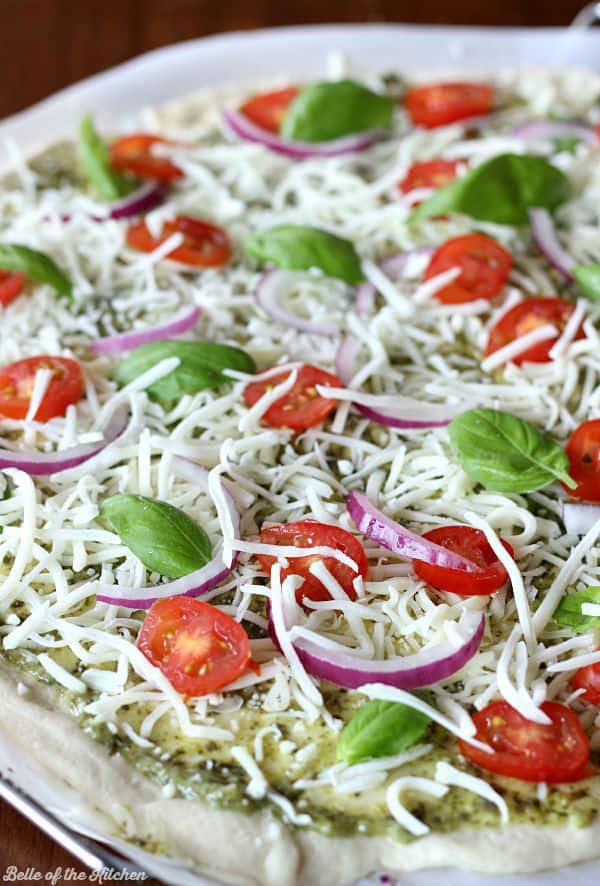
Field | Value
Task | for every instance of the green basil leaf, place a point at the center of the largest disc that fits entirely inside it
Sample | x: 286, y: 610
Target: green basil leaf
x: 587, y: 278
x: 506, y: 453
x: 95, y: 163
x: 501, y: 190
x: 201, y: 366
x: 380, y: 729
x: 569, y: 612
x: 37, y: 265
x: 164, y: 538
x: 326, y: 111
x: 299, y: 248
x: 566, y: 143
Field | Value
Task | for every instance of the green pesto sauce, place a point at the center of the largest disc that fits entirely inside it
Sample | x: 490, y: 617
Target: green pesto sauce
x: 204, y: 770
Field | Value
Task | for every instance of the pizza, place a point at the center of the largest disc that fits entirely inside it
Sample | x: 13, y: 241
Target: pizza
x: 300, y: 474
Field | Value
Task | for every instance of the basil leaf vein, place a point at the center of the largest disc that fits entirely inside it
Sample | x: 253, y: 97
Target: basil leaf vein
x: 325, y: 111
x: 163, y: 537
x: 569, y: 612
x: 506, y: 453
x: 300, y: 248
x: 95, y: 163
x: 501, y: 190
x: 37, y: 265
x: 380, y: 729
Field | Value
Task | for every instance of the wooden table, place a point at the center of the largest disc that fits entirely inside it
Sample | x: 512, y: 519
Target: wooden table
x: 47, y: 44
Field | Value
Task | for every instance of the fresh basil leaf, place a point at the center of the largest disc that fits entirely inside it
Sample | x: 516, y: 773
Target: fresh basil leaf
x: 37, y: 265
x: 164, y: 538
x: 326, y: 111
x: 380, y: 729
x: 587, y: 278
x: 506, y: 453
x: 299, y: 248
x: 569, y: 612
x: 566, y: 143
x: 501, y: 190
x: 95, y: 163
x: 201, y: 366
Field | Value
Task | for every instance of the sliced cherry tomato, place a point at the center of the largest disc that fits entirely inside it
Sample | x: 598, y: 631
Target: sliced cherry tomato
x: 17, y: 380
x: 134, y: 154
x: 527, y: 316
x: 307, y: 534
x: 204, y: 245
x: 484, y: 264
x: 269, y: 109
x: 430, y: 174
x: 302, y: 407
x: 588, y: 678
x: 10, y: 287
x: 438, y: 104
x: 197, y: 647
x: 472, y: 544
x: 556, y: 752
x: 583, y: 450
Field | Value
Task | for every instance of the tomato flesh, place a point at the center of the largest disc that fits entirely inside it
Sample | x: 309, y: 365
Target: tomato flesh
x: 588, y: 679
x: 302, y: 407
x: 310, y: 533
x: 10, y: 287
x: 472, y: 544
x: 430, y: 174
x: 204, y: 245
x: 439, y: 104
x: 556, y: 753
x: 17, y: 380
x: 583, y: 450
x: 484, y: 266
x: 268, y: 109
x: 133, y: 154
x: 525, y: 317
x: 197, y: 647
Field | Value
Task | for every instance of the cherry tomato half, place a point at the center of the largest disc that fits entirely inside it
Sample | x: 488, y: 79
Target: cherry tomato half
x: 484, y: 265
x: 197, y: 647
x: 310, y: 533
x: 10, y: 286
x: 438, y: 104
x: 133, y: 154
x: 204, y: 245
x: 17, y: 380
x: 269, y: 109
x: 472, y: 544
x: 525, y: 317
x: 588, y: 678
x: 430, y: 174
x: 557, y: 752
x: 302, y: 407
x: 583, y: 449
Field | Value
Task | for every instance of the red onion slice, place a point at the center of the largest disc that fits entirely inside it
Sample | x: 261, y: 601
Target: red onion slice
x: 391, y: 535
x: 127, y: 341
x: 245, y: 129
x: 546, y: 130
x: 146, y: 198
x: 579, y: 516
x: 439, y: 416
x: 393, y: 265
x: 40, y: 464
x: 196, y: 583
x: 274, y: 285
x: 423, y: 668
x: 546, y: 240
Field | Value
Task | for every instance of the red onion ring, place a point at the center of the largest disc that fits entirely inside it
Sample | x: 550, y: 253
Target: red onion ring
x: 391, y: 535
x: 579, y: 516
x: 245, y: 129
x: 275, y: 283
x: 196, y: 583
x: 546, y: 130
x: 394, y: 265
x: 344, y: 367
x: 127, y: 341
x: 546, y: 240
x: 146, y: 198
x: 40, y: 464
x: 423, y: 668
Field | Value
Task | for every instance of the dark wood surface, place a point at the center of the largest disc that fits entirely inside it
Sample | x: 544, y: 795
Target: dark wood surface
x: 48, y: 44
